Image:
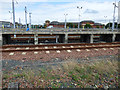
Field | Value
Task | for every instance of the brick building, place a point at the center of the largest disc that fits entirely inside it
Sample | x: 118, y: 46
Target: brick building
x: 92, y: 23
x: 57, y: 24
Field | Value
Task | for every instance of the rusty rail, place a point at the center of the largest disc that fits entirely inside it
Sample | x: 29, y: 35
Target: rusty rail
x: 110, y: 45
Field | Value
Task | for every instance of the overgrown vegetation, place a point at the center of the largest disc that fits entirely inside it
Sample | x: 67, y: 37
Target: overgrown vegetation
x: 100, y: 74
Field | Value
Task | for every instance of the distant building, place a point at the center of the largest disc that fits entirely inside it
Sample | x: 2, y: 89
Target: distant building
x: 83, y: 23
x: 98, y: 25
x: 92, y: 23
x: 72, y: 24
x: 5, y: 24
x: 57, y: 24
x: 18, y: 25
x: 24, y: 26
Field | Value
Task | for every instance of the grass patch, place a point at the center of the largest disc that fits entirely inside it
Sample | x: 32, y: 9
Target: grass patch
x: 70, y: 74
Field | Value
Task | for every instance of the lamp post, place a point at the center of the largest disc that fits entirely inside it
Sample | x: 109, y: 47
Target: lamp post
x: 10, y: 16
x: 30, y: 20
x: 105, y: 20
x: 19, y: 22
x: 13, y: 8
x: 13, y: 11
x: 109, y: 24
x: 79, y: 16
x: 113, y: 25
x: 65, y: 20
x: 26, y: 16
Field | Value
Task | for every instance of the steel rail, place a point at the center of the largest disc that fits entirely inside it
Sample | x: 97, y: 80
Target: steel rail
x: 69, y: 44
x: 60, y: 48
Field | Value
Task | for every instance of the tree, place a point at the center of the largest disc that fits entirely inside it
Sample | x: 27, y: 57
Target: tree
x: 40, y: 26
x: 70, y: 25
x: 31, y: 26
x: 76, y: 26
x: 109, y: 25
x: 97, y: 27
x: 45, y: 26
x: 88, y: 26
x: 118, y: 25
x: 47, y: 21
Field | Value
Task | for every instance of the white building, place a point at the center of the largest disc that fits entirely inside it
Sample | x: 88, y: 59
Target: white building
x: 5, y: 24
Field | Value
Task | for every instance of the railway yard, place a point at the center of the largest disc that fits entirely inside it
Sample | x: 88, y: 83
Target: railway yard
x: 60, y: 60
x: 23, y: 62
x: 47, y: 52
x: 57, y: 52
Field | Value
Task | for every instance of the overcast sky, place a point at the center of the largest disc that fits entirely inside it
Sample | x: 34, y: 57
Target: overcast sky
x: 54, y: 10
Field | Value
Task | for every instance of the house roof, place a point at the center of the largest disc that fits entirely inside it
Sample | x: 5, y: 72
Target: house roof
x: 47, y: 21
x: 5, y: 21
x: 97, y: 24
x: 61, y: 23
x: 87, y: 21
x: 54, y: 22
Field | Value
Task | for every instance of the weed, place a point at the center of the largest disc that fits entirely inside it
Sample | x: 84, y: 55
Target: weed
x: 96, y: 76
x: 17, y: 75
x: 80, y: 74
x: 6, y: 76
x: 84, y: 76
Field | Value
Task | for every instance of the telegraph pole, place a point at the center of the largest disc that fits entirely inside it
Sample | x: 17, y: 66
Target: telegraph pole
x: 19, y: 23
x: 65, y: 20
x: 113, y: 25
x: 26, y: 15
x: 10, y: 16
x: 109, y: 24
x: 105, y: 20
x: 30, y: 20
x: 19, y: 20
x: 79, y: 16
x: 119, y: 12
x: 13, y: 13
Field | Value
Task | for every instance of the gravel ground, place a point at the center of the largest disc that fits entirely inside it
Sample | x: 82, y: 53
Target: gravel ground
x: 17, y: 66
x: 19, y: 62
x: 42, y: 59
x: 8, y: 65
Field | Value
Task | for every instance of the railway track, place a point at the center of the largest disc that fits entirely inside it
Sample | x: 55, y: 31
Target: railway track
x: 53, y: 47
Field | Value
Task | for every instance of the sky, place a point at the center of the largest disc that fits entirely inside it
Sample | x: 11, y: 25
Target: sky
x: 100, y: 11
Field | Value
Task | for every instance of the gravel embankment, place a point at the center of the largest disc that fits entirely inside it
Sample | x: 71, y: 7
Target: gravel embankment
x: 64, y: 54
x: 17, y: 63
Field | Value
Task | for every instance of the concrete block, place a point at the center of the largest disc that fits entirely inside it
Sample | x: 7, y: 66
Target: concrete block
x: 69, y: 51
x: 35, y: 52
x: 23, y: 53
x: 58, y: 51
x: 78, y: 50
x: 11, y: 54
x: 47, y: 52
